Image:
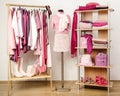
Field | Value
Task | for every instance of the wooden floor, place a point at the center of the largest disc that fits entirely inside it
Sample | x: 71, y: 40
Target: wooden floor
x: 40, y: 88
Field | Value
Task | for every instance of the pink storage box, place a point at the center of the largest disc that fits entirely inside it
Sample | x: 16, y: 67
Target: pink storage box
x: 101, y: 59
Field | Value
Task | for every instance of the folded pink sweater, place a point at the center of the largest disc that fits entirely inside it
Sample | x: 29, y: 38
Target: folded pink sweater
x: 99, y: 23
x: 87, y: 7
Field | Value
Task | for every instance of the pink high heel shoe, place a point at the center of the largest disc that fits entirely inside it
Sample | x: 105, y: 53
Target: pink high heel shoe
x: 88, y: 80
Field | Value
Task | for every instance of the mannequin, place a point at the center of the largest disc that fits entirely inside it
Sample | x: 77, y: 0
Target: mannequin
x: 61, y: 26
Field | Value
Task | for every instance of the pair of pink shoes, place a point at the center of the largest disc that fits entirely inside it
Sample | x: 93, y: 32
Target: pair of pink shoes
x: 88, y: 80
x: 101, y: 81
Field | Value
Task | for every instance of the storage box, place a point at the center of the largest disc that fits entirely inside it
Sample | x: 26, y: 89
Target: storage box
x: 101, y: 59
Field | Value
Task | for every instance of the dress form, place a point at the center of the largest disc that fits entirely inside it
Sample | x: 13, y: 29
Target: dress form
x: 62, y: 88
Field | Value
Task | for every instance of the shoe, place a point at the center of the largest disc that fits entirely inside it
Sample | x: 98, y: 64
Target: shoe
x: 16, y: 72
x: 101, y: 81
x: 21, y: 66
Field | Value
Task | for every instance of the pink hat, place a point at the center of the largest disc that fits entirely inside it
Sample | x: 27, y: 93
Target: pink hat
x: 92, y: 4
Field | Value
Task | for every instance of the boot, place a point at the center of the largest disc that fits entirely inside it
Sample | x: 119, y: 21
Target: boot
x: 21, y: 67
x: 16, y: 70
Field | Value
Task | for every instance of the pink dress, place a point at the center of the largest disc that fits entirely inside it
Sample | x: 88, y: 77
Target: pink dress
x: 61, y: 25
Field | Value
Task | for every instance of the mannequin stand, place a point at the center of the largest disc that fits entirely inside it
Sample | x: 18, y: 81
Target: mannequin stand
x: 62, y: 89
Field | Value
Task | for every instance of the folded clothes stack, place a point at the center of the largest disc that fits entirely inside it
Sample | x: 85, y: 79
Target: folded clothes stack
x: 85, y: 24
x: 92, y: 5
x: 96, y: 24
x: 86, y: 7
x: 99, y: 42
x: 100, y: 24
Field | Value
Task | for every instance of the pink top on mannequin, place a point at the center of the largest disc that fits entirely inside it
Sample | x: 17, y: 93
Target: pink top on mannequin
x: 65, y: 19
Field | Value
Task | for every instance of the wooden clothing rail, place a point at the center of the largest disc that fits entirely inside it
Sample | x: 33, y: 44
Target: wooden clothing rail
x: 40, y: 76
x: 25, y: 5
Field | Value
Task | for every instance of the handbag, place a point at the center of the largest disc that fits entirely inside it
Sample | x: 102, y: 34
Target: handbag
x: 86, y: 60
x: 101, y: 59
x: 31, y: 70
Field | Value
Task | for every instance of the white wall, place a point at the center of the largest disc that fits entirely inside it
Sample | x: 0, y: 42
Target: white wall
x: 70, y: 63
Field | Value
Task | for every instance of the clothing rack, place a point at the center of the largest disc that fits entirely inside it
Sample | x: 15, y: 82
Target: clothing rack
x: 25, y: 5
x: 41, y: 76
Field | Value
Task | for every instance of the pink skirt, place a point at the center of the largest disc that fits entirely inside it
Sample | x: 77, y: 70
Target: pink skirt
x: 61, y: 43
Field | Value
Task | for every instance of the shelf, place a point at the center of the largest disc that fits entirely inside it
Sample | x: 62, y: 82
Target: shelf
x: 87, y: 84
x: 94, y: 66
x: 93, y: 29
x: 31, y: 78
x: 94, y: 47
x: 100, y: 47
x: 94, y: 10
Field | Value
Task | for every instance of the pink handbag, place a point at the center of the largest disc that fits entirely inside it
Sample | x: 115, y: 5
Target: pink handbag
x: 101, y: 59
x: 32, y: 70
x: 86, y: 60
